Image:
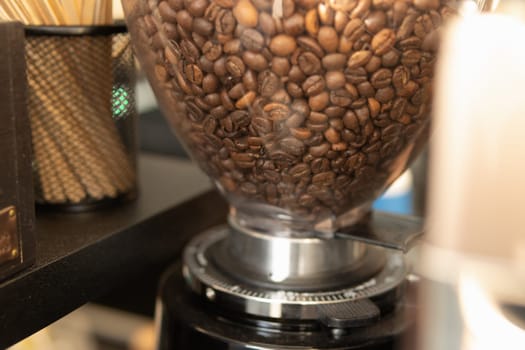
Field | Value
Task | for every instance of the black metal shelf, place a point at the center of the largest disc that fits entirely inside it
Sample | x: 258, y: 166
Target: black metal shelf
x: 83, y: 257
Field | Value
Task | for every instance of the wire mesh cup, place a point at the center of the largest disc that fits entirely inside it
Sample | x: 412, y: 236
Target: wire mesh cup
x: 81, y: 103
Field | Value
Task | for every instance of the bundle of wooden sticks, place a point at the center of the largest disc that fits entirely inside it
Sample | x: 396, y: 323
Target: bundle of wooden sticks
x: 78, y: 151
x: 58, y: 12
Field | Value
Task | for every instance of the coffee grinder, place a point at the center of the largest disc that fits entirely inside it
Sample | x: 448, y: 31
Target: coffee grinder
x: 302, y: 112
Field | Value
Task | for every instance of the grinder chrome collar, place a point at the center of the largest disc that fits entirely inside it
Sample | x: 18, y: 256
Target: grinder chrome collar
x: 206, y: 277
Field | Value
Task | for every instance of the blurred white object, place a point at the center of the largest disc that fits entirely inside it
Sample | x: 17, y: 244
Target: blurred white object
x: 476, y: 239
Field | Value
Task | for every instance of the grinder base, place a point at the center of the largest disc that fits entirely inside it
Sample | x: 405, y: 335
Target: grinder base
x: 188, y: 321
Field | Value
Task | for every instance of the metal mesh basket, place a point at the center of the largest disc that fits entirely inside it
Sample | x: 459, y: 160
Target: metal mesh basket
x: 81, y: 105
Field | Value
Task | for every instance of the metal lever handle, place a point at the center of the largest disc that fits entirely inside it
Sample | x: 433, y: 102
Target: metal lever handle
x: 387, y: 230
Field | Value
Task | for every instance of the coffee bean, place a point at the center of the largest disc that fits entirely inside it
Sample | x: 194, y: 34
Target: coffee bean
x: 310, y: 44
x: 359, y: 58
x: 383, y: 41
x: 282, y: 45
x: 427, y: 4
x: 328, y: 38
x: 294, y: 90
x: 373, y: 65
x: 335, y: 80
x: 340, y: 21
x: 295, y: 120
x: 277, y: 111
x: 326, y: 178
x: 235, y: 66
x: 407, y: 27
x: 312, y: 22
x: 319, y: 151
x: 167, y: 13
x: 225, y: 22
x: 340, y: 97
x: 252, y: 40
x: 280, y: 66
x: 309, y: 63
x: 356, y: 75
x: 334, y: 61
x: 212, y: 100
x: 354, y: 29
x: 249, y: 80
x: 232, y: 47
x: 400, y: 77
x: 202, y: 26
x: 193, y: 73
x: 386, y: 94
x: 292, y: 146
x: 254, y: 61
x: 269, y: 83
x: 314, y: 85
x: 361, y: 8
x: 410, y: 57
x: 211, y: 51
x: 246, y: 100
x: 294, y: 25
x: 319, y: 101
x: 281, y: 96
x: 245, y: 13
x: 366, y: 89
x: 381, y: 79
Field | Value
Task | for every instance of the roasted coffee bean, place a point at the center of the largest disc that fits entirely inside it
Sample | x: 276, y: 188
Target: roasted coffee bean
x: 193, y: 73
x: 235, y: 66
x: 269, y: 83
x: 282, y: 45
x: 407, y: 27
x: 375, y: 21
x: 254, y: 61
x: 359, y: 58
x: 309, y: 63
x: 383, y: 41
x: 381, y: 79
x: 211, y: 51
x: 281, y: 96
x: 319, y: 102
x: 252, y: 40
x: 340, y: 98
x: 202, y: 26
x: 354, y: 29
x: 310, y: 44
x: 294, y: 90
x: 225, y: 22
x: 292, y: 146
x: 294, y: 25
x: 366, y: 89
x: 277, y: 111
x: 334, y: 61
x: 356, y: 75
x: 328, y: 38
x: 313, y: 85
x: 249, y: 80
x: 319, y: 151
x: 312, y: 22
x: 326, y: 178
x: 411, y: 57
x: 335, y: 80
x: 245, y: 13
x: 280, y: 66
x: 266, y: 22
x: 385, y: 95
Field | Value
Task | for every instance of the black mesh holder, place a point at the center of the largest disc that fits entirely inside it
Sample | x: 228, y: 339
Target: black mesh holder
x: 81, y: 103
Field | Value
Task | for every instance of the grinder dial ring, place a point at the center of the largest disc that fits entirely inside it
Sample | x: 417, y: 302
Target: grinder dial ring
x: 205, y: 278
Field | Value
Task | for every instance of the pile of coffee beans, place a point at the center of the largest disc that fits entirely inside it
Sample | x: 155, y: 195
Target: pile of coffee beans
x: 309, y: 105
